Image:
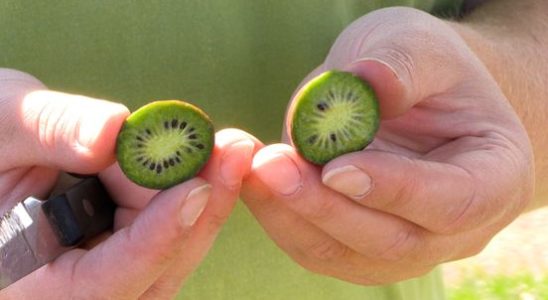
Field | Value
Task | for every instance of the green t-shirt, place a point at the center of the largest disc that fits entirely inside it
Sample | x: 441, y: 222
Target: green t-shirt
x: 239, y: 60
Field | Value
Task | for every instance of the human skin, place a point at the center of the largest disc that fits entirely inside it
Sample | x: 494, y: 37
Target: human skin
x: 160, y: 237
x: 158, y: 272
x: 510, y: 39
x: 460, y: 146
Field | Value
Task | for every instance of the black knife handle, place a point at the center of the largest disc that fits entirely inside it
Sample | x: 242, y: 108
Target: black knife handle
x: 81, y: 212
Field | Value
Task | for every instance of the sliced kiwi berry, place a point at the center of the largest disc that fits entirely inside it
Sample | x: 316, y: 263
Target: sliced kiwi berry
x: 164, y: 143
x: 333, y: 114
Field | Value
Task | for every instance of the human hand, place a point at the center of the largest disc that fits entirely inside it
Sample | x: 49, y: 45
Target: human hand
x: 159, y: 237
x: 450, y: 166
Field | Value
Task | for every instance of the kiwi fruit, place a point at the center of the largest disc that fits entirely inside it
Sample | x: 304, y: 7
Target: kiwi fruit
x: 333, y: 114
x: 164, y: 143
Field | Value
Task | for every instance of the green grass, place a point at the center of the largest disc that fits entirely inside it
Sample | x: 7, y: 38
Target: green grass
x: 481, y: 286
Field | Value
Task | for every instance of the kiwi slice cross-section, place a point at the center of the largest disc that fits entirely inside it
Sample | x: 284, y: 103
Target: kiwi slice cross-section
x: 164, y: 143
x: 333, y: 114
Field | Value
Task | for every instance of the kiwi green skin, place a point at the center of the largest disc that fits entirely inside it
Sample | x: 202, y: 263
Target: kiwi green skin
x: 153, y: 115
x: 302, y: 117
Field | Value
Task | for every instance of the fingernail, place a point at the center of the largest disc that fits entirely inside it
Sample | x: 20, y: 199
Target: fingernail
x: 194, y: 204
x: 348, y: 180
x: 279, y: 172
x: 235, y: 162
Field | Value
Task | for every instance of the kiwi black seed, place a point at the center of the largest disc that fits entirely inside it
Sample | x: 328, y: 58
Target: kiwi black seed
x: 333, y: 114
x: 164, y: 143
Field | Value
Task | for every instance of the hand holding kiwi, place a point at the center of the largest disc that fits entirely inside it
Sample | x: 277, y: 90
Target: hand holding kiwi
x: 164, y: 143
x: 161, y: 144
x: 333, y: 114
x: 452, y: 164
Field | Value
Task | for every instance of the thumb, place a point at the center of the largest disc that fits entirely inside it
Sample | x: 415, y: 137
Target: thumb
x: 70, y: 132
x: 405, y: 54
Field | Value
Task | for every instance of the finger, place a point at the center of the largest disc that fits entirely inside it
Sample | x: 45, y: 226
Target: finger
x: 230, y: 162
x: 71, y: 132
x: 431, y: 194
x: 127, y: 263
x: 297, y: 184
x: 135, y: 256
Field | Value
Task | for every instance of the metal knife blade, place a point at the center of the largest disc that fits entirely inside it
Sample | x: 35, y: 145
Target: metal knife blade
x: 35, y: 232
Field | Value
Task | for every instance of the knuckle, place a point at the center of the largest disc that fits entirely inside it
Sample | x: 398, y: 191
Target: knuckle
x: 405, y: 194
x: 313, y: 266
x: 163, y: 250
x: 399, y: 57
x: 400, y: 246
x: 465, y: 216
x: 319, y: 257
x: 389, y: 24
x: 54, y: 121
x: 50, y: 121
x: 472, y: 248
x: 326, y: 251
x: 47, y: 127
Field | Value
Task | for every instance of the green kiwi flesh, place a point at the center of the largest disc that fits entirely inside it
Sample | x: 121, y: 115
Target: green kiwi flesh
x: 333, y: 114
x: 164, y: 143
